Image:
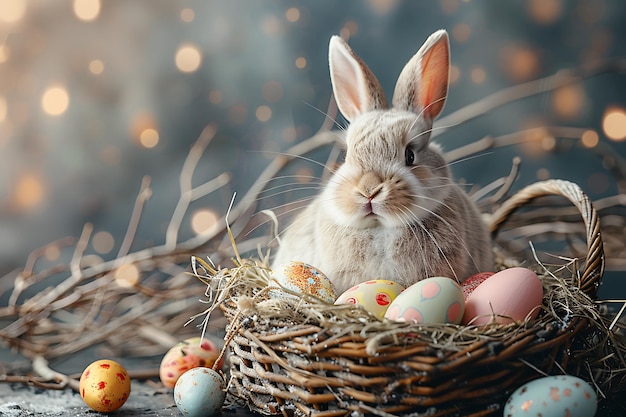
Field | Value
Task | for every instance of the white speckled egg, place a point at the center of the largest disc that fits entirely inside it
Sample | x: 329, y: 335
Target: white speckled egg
x: 552, y: 396
x: 375, y: 295
x: 433, y: 300
x: 509, y: 295
x: 303, y: 278
x: 190, y: 353
x: 199, y: 392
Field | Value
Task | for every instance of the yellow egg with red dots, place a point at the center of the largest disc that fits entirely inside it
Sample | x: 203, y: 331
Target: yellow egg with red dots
x: 188, y: 354
x: 375, y: 295
x: 104, y: 385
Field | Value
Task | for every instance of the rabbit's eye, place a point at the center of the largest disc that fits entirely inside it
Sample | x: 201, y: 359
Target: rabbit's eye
x: 409, y: 157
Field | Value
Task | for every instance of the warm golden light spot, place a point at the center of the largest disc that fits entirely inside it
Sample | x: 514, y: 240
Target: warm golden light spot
x: 215, y: 97
x: 149, y: 138
x: 271, y: 25
x: 272, y: 91
x: 455, y: 74
x: 569, y: 101
x: 188, y: 58
x: 52, y: 252
x: 55, y: 101
x: 103, y: 242
x: 29, y: 191
x: 87, y: 10
x: 5, y: 54
x: 590, y: 139
x: 4, y: 109
x: 461, y: 32
x: 545, y: 11
x: 478, y: 75
x: 127, y: 276
x: 96, y: 67
x: 614, y: 124
x: 543, y: 174
x: 292, y: 14
x: 204, y: 222
x: 520, y: 63
x: 449, y: 6
x: 548, y: 143
x: 383, y: 7
x: 187, y: 15
x: 301, y: 62
x: 350, y: 28
x: 12, y: 11
x: 263, y: 113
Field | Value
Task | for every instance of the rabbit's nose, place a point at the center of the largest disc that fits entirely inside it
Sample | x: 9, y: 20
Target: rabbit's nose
x: 370, y: 185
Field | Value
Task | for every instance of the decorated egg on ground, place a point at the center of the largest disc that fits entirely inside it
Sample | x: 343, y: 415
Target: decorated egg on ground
x: 375, y: 295
x: 511, y: 295
x: 104, y: 385
x: 302, y: 278
x: 552, y: 396
x: 200, y: 392
x: 190, y: 353
x: 433, y: 300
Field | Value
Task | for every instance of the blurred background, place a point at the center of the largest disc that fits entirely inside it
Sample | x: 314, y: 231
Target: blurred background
x: 95, y: 95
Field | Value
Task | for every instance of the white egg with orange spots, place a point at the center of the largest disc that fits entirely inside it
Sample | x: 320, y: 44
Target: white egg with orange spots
x: 553, y: 396
x: 104, y: 385
x: 435, y: 300
x: 302, y: 278
x: 375, y: 296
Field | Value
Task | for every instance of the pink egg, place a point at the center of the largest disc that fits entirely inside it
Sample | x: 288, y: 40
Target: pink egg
x: 510, y: 295
x: 470, y: 284
x: 188, y: 354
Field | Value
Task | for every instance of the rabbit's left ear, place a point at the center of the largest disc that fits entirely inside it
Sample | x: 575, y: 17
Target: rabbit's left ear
x: 422, y: 86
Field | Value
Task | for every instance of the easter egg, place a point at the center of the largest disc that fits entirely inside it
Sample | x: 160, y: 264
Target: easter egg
x: 508, y: 296
x: 200, y: 392
x: 433, y: 300
x: 375, y: 295
x: 188, y: 354
x: 553, y: 396
x: 104, y: 385
x: 470, y: 284
x: 302, y: 278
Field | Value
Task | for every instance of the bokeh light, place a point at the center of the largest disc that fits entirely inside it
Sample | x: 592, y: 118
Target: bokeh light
x: 127, y: 276
x: 461, y: 32
x: 55, y: 100
x: 5, y: 54
x: 519, y: 62
x: 188, y: 58
x: 569, y: 101
x: 87, y: 10
x: 29, y: 191
x: 52, y: 252
x: 204, y: 222
x: 215, y: 96
x: 292, y: 14
x: 149, y: 138
x: 96, y: 67
x: 590, y: 139
x: 455, y: 74
x: 478, y: 75
x: 383, y: 7
x: 142, y: 125
x: 263, y: 113
x: 614, y: 124
x: 301, y: 62
x: 4, y: 109
x: 103, y: 242
x: 12, y: 11
x: 187, y: 15
x: 545, y: 11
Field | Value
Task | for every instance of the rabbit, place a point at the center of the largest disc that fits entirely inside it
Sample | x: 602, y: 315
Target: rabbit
x: 391, y: 210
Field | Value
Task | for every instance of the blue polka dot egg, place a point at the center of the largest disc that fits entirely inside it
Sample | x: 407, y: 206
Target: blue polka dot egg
x: 552, y: 396
x: 301, y: 278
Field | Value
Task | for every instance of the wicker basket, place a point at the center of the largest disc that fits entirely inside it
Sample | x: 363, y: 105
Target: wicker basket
x: 298, y: 358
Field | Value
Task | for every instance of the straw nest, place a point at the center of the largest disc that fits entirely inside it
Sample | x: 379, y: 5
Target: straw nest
x: 298, y: 354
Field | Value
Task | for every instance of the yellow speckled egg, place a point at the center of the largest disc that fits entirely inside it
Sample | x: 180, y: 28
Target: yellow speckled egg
x: 433, y: 300
x: 104, y: 385
x: 190, y: 353
x: 375, y: 295
x: 303, y: 278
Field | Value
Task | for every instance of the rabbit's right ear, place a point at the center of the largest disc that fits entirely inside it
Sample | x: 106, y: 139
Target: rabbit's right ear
x: 355, y: 87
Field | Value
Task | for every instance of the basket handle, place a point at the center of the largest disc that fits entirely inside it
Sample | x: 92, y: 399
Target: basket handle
x: 593, y: 267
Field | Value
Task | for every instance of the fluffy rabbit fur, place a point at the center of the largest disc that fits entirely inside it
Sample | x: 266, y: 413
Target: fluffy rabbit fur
x: 391, y: 211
